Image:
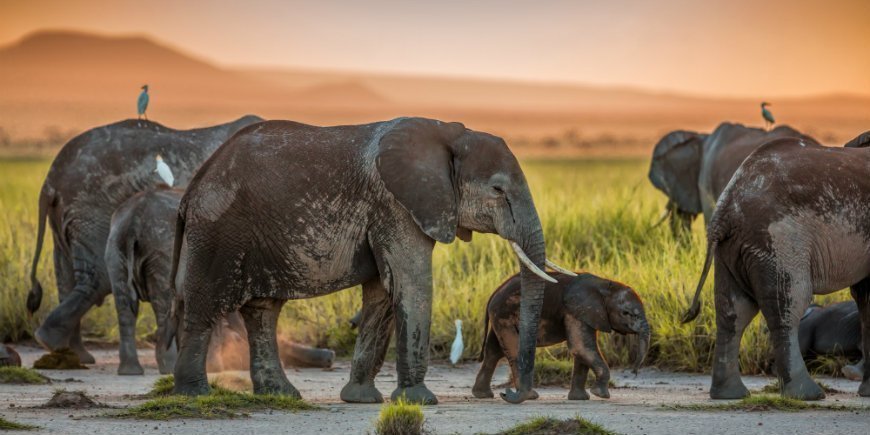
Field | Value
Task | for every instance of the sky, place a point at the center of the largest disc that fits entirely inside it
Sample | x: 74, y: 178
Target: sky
x: 746, y: 48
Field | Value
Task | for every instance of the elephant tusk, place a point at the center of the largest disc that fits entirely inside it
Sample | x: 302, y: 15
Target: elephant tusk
x: 530, y: 265
x: 665, y: 215
x: 559, y: 269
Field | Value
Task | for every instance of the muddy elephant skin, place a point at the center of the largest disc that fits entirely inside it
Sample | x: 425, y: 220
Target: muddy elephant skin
x: 575, y: 309
x: 90, y: 177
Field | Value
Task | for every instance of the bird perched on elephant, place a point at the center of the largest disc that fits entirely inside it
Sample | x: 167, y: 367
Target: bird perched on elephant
x: 575, y: 309
x: 793, y: 222
x: 285, y: 210
x: 138, y: 260
x: 90, y: 177
x: 692, y: 169
x: 833, y: 330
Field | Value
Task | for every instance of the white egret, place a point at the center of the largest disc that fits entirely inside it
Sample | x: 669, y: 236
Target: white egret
x: 458, y: 346
x: 164, y: 171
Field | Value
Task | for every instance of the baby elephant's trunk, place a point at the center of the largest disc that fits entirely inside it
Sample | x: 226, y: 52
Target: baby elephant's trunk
x: 642, y: 347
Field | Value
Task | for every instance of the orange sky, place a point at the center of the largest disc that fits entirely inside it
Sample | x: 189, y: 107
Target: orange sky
x: 735, y: 47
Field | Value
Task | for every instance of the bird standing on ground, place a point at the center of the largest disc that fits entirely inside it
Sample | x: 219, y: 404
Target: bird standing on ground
x: 768, y: 117
x: 458, y: 347
x: 164, y: 171
x: 142, y: 103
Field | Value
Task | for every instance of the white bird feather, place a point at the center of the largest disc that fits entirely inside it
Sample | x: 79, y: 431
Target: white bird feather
x: 164, y: 171
x: 458, y: 347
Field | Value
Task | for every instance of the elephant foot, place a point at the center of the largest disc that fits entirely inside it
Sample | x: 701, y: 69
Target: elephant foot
x: 517, y: 396
x: 51, y: 339
x: 361, y: 393
x: 854, y: 372
x: 732, y: 388
x: 276, y: 385
x: 84, y: 356
x: 803, y: 388
x: 131, y: 369
x: 578, y: 394
x: 197, y: 387
x: 600, y: 391
x: 864, y: 389
x: 482, y: 392
x: 416, y: 394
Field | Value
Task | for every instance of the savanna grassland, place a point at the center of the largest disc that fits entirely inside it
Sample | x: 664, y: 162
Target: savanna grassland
x: 597, y: 214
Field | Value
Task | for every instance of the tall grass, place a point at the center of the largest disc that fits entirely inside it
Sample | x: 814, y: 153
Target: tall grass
x: 597, y: 216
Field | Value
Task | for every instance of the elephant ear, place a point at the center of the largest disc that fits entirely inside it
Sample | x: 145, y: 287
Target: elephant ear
x: 676, y: 166
x: 862, y: 141
x: 416, y: 163
x: 586, y: 298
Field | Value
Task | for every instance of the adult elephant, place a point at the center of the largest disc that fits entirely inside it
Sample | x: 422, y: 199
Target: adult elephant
x: 692, y: 169
x: 285, y: 210
x: 91, y: 175
x: 792, y: 223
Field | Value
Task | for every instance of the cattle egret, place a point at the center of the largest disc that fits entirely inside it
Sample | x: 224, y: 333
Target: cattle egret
x: 142, y: 103
x: 458, y: 346
x: 768, y: 117
x: 164, y: 171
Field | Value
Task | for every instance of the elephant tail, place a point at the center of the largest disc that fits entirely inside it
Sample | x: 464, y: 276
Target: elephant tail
x: 178, y: 299
x: 695, y: 309
x: 34, y: 297
x: 485, y: 333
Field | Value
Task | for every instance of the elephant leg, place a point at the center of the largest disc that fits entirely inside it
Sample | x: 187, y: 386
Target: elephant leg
x: 267, y: 374
x: 861, y: 294
x: 129, y: 364
x: 734, y: 311
x: 194, y: 337
x: 509, y: 340
x: 165, y: 353
x: 583, y: 342
x: 783, y: 304
x: 375, y: 330
x: 578, y: 381
x: 65, y: 277
x: 492, y: 354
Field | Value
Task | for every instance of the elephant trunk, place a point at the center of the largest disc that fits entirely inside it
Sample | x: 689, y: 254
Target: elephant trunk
x: 641, y: 348
x: 531, y: 300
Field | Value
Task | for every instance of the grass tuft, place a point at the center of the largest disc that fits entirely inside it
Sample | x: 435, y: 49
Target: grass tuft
x: 220, y: 403
x: 11, y: 425
x: 400, y: 418
x: 21, y: 375
x: 550, y: 425
x: 774, y: 388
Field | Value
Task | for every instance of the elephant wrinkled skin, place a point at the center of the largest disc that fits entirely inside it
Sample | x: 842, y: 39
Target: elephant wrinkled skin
x: 285, y: 210
x: 90, y: 177
x: 793, y: 222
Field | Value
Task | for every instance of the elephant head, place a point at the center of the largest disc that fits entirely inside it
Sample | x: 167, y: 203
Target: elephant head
x: 611, y: 306
x: 470, y: 182
x: 675, y: 167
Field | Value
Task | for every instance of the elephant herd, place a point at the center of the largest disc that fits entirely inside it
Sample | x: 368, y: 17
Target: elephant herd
x: 268, y: 211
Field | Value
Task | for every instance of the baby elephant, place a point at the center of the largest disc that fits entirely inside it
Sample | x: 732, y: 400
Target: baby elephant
x: 575, y: 309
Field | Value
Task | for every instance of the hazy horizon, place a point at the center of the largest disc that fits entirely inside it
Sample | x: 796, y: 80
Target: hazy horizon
x: 736, y: 49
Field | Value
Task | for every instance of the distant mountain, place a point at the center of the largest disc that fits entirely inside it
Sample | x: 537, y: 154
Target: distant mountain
x: 73, y: 80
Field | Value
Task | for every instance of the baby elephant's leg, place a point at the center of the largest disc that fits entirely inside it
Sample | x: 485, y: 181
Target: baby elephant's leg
x: 578, y: 381
x: 510, y: 344
x: 583, y: 342
x: 492, y: 353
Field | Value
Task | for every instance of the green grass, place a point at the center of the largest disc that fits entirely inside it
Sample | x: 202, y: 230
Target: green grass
x: 21, y: 375
x: 774, y: 388
x: 597, y: 216
x: 764, y: 402
x: 549, y: 425
x: 11, y: 425
x: 400, y: 418
x: 220, y: 403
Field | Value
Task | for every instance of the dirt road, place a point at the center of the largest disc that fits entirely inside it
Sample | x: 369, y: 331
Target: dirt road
x: 635, y: 406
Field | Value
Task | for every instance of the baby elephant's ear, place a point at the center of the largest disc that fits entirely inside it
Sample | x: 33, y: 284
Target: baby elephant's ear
x: 415, y: 161
x: 590, y: 307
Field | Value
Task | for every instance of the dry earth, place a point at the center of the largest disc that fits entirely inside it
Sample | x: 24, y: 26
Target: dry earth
x: 635, y: 406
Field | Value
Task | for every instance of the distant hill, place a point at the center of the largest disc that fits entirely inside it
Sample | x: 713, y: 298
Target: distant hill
x: 70, y: 81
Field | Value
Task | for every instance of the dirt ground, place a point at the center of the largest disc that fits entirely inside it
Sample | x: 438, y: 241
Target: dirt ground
x: 635, y: 406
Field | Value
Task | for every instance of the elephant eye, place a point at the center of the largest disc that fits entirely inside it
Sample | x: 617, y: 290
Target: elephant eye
x: 498, y: 190
x: 626, y: 313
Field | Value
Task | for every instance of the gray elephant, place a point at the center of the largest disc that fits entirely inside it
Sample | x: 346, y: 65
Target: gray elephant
x: 575, y: 309
x: 833, y: 330
x: 285, y: 210
x: 792, y: 223
x: 692, y: 169
x: 90, y: 177
x: 138, y: 260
